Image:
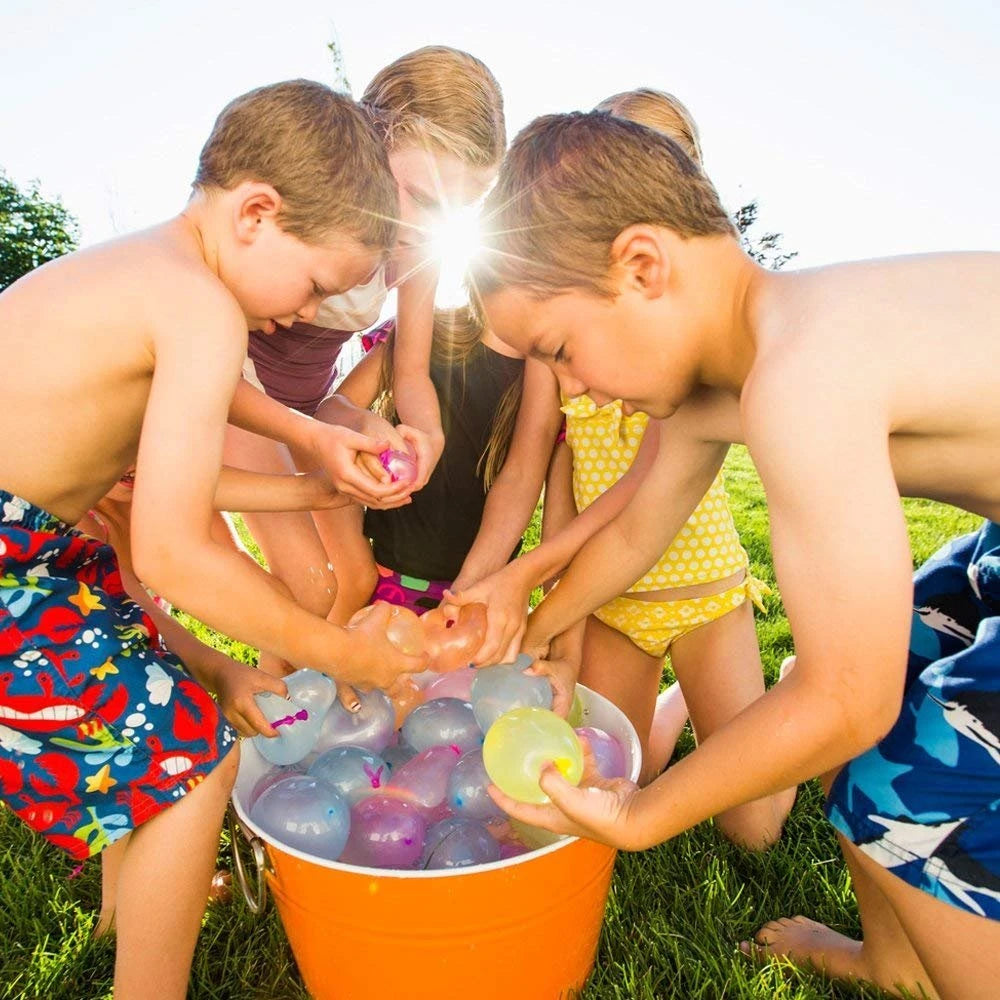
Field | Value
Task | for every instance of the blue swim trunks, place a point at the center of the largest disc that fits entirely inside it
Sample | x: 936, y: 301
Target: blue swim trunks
x: 925, y: 802
x: 100, y: 726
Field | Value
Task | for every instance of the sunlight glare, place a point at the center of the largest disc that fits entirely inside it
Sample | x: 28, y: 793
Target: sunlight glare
x: 455, y: 239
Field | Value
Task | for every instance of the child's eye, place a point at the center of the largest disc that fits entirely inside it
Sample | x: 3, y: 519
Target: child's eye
x: 560, y: 356
x: 318, y: 291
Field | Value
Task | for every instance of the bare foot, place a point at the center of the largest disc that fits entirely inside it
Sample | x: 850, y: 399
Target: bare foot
x: 809, y: 943
x: 786, y: 667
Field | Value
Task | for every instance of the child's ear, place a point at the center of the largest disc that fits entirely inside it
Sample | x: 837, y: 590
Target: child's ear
x: 255, y: 203
x: 642, y: 257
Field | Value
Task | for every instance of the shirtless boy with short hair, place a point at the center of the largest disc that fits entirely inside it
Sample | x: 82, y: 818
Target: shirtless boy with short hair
x: 129, y: 353
x: 852, y: 384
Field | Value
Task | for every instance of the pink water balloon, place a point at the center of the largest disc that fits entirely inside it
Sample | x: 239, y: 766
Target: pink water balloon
x: 456, y: 684
x: 401, y: 466
x: 385, y: 833
x: 423, y: 780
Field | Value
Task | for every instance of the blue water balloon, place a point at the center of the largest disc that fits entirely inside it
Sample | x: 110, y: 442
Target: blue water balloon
x: 353, y: 772
x: 500, y: 688
x: 305, y: 813
x: 396, y: 756
x: 458, y: 842
x: 467, y: 786
x: 443, y: 722
x: 298, y: 729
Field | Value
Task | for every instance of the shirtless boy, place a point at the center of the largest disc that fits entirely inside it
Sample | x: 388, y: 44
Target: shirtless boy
x: 129, y: 353
x: 852, y: 384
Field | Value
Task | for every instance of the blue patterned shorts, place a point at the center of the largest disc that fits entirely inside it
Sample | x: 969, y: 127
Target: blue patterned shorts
x: 100, y: 727
x: 925, y: 802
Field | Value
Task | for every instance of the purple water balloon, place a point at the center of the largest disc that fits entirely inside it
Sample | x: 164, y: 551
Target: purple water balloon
x: 443, y: 722
x: 500, y: 688
x: 458, y: 843
x: 456, y: 684
x: 423, y: 780
x: 297, y: 727
x: 401, y: 466
x: 305, y: 813
x: 467, y: 786
x: 354, y: 772
x: 371, y: 726
x: 609, y: 754
x: 512, y: 849
x: 385, y: 833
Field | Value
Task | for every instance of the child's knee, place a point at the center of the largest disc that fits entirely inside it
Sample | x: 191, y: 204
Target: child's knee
x: 754, y: 827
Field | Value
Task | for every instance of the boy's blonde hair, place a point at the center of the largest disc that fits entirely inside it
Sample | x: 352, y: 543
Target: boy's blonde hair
x: 456, y: 334
x: 570, y: 184
x: 658, y: 110
x: 442, y: 98
x: 317, y: 149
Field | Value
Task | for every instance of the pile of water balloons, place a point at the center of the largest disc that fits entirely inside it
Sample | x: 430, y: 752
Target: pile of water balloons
x: 368, y: 788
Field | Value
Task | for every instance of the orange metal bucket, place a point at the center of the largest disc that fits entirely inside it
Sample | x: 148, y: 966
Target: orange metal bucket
x: 522, y: 929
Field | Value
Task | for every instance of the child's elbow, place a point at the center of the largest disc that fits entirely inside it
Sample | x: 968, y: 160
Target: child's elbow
x: 156, y: 564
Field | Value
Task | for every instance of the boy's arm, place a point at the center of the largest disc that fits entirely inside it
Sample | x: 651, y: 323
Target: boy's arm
x: 413, y: 391
x: 243, y: 490
x: 842, y: 559
x: 327, y: 446
x: 180, y: 454
x: 514, y: 494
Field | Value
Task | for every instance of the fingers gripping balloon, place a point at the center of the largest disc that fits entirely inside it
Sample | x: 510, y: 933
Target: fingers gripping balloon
x: 401, y: 466
x: 451, y: 643
x: 521, y: 742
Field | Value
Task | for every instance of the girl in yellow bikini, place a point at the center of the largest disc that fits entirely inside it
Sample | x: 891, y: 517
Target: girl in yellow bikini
x: 695, y: 604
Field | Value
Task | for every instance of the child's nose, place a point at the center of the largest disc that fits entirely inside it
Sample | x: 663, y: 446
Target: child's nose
x: 570, y: 386
x: 308, y: 312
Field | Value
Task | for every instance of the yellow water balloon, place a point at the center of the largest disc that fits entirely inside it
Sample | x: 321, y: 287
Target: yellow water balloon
x: 521, y: 742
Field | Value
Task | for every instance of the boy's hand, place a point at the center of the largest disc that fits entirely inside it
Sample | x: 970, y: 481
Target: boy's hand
x: 236, y: 684
x: 505, y: 594
x: 373, y: 661
x: 335, y: 449
x: 598, y: 809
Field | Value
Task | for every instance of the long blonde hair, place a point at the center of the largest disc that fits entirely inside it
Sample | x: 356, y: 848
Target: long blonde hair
x: 442, y: 98
x: 457, y: 332
x: 658, y: 110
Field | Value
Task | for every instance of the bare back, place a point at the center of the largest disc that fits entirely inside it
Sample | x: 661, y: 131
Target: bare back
x: 909, y: 349
x: 80, y: 342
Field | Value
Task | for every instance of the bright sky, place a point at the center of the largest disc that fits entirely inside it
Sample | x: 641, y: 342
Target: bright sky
x: 863, y: 128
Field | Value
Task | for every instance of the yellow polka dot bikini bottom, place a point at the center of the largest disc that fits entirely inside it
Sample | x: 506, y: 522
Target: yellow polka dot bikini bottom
x: 654, y: 625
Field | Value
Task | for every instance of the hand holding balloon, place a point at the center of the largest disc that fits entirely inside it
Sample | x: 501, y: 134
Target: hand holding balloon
x: 452, y: 641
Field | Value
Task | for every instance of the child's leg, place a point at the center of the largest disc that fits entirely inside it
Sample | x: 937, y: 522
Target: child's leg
x: 719, y: 669
x: 288, y: 540
x: 111, y: 863
x: 615, y: 667
x: 163, y: 884
x: 342, y: 534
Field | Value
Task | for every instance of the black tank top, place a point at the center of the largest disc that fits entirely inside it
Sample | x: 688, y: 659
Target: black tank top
x: 430, y: 537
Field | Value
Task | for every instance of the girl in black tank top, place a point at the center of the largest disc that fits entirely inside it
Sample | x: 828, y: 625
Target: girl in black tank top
x: 467, y: 522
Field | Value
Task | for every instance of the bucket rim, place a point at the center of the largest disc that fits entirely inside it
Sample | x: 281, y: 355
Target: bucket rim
x: 587, y: 695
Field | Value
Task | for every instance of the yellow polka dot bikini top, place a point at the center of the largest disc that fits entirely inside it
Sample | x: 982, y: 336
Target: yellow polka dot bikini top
x: 604, y: 442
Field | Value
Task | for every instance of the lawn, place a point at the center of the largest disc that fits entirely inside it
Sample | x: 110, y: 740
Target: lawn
x: 673, y: 919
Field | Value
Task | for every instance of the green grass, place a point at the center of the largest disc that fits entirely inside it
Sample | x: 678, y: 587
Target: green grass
x: 673, y: 919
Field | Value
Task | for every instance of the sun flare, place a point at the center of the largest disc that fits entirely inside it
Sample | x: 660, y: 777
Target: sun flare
x: 455, y: 238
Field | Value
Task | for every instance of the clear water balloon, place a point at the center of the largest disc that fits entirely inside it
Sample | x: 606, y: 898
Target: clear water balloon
x: 353, y: 772
x: 467, y: 786
x: 500, y: 688
x: 304, y: 812
x: 298, y: 729
x: 521, y: 742
x: 443, y: 722
x: 456, y: 684
x: 371, y: 726
x: 458, y: 842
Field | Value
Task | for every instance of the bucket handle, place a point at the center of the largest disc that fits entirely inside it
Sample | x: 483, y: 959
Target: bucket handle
x: 256, y: 895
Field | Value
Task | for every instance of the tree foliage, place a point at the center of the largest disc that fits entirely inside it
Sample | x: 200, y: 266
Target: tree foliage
x: 33, y: 230
x: 765, y: 248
